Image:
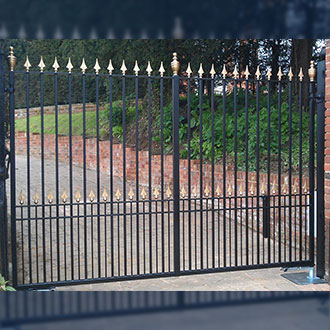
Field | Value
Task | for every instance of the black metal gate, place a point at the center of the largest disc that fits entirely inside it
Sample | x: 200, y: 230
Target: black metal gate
x: 232, y: 201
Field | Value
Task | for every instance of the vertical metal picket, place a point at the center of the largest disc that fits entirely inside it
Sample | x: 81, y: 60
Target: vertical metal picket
x: 176, y: 164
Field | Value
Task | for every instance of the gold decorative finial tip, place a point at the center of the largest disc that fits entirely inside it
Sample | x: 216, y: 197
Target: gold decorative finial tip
x: 149, y: 69
x: 312, y: 71
x: 83, y: 66
x: 11, y: 58
x: 110, y: 67
x: 175, y: 64
x: 97, y: 67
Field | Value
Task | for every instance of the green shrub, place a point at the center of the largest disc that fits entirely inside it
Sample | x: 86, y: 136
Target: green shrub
x: 117, y: 116
x: 4, y: 285
x: 241, y: 129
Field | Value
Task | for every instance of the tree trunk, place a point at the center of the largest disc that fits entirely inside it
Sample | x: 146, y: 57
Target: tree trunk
x: 276, y: 50
x: 301, y: 55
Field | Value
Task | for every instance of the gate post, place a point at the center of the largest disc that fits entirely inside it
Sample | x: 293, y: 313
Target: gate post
x: 3, y: 174
x: 175, y: 65
x: 12, y: 63
x: 320, y: 240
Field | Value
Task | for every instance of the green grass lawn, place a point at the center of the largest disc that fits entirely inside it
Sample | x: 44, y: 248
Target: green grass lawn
x: 63, y: 124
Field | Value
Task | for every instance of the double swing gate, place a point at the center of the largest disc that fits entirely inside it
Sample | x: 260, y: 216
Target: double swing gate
x: 118, y: 206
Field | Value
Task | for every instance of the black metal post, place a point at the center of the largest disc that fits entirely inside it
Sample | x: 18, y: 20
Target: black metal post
x: 320, y: 243
x: 311, y: 172
x: 176, y: 175
x: 3, y: 173
x: 12, y: 62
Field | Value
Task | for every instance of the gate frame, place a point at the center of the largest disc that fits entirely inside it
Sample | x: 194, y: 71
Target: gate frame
x: 318, y: 99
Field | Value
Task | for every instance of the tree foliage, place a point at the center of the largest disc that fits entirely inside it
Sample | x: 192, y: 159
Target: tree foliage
x: 265, y: 53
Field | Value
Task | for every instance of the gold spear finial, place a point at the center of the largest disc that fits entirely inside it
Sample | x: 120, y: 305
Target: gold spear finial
x: 290, y: 74
x: 77, y: 196
x: 56, y: 65
x: 175, y: 64
x: 195, y: 191
x: 91, y: 195
x: 105, y: 195
x: 295, y: 187
x: 136, y: 68
x: 156, y: 193
x: 279, y: 74
x: 269, y: 73
x: 36, y: 198
x: 83, y: 66
x: 235, y: 73
x: 64, y: 196
x: 246, y: 73
x: 212, y: 71
x: 21, y: 198
x: 305, y: 188
x: 189, y: 71
x: 183, y: 192
x: 224, y: 72
x: 143, y: 193
x: 69, y: 66
x: 230, y: 190
x: 50, y: 198
x: 312, y: 71
x: 131, y: 194
x: 168, y: 192
x: 263, y: 189
x: 161, y: 69
x: 206, y: 191
x: 274, y: 187
x: 252, y: 189
x: 11, y: 58
x: 41, y: 64
x: 149, y: 69
x: 97, y: 67
x: 301, y: 74
x: 218, y: 190
x: 258, y: 73
x: 200, y: 71
x: 240, y: 190
x: 110, y: 67
x: 123, y: 68
x: 27, y: 64
x: 118, y: 194
x: 285, y: 185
